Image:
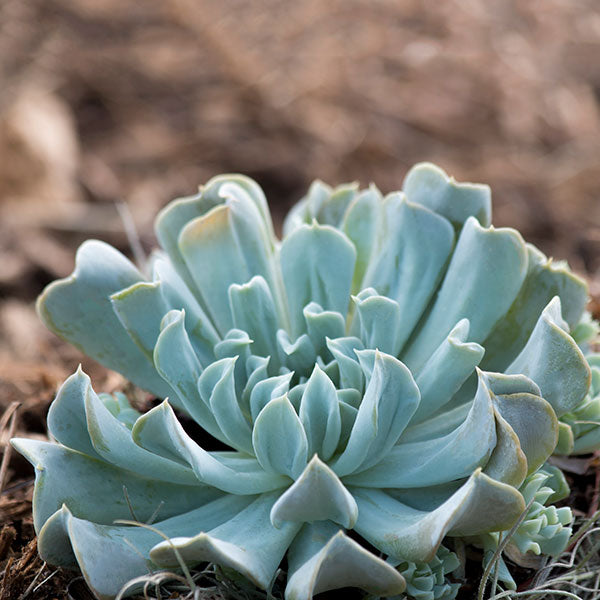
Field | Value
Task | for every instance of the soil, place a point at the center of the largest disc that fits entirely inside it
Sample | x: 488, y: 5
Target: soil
x: 109, y: 109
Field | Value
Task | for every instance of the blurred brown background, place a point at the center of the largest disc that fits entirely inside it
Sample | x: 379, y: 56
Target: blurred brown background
x: 105, y: 101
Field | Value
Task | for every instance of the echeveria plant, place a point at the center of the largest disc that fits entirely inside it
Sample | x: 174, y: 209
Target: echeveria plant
x: 390, y: 372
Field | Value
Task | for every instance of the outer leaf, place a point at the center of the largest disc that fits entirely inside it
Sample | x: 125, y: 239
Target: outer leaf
x: 479, y: 506
x: 408, y: 263
x: 177, y: 363
x: 361, y: 224
x: 480, y: 290
x: 160, y: 432
x: 173, y: 218
x: 446, y: 370
x: 227, y: 245
x: 554, y: 361
x: 67, y: 421
x: 113, y: 442
x: 545, y: 279
x: 317, y: 264
x: 530, y: 416
x: 78, y: 309
x: 247, y: 543
x: 423, y: 463
x: 508, y: 462
x: 177, y: 295
x: 323, y: 558
x: 99, y: 494
x: 429, y: 185
x: 122, y: 551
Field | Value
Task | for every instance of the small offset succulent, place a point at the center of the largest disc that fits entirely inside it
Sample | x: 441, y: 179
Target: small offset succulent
x: 385, y: 377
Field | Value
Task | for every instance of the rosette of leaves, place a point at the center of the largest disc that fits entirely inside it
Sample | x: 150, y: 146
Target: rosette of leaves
x: 544, y: 530
x: 583, y: 433
x: 394, y: 367
x: 429, y: 581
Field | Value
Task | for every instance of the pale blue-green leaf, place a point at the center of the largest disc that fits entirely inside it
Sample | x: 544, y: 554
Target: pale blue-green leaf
x: 344, y: 351
x: 307, y: 208
x: 322, y: 324
x: 140, y: 308
x: 430, y: 186
x: 446, y: 370
x: 320, y: 415
x: 348, y: 416
x: 53, y: 543
x: 317, y: 495
x: 113, y: 442
x: 227, y: 245
x: 323, y: 204
x: 534, y: 422
x: 440, y: 424
x: 247, y: 543
x: 390, y: 400
x: 408, y: 261
x: 216, y: 386
x: 349, y: 396
x: 545, y: 279
x: 119, y: 406
x: 507, y: 462
x: 334, y: 208
x: 587, y: 442
x: 94, y: 489
x: 361, y: 225
x: 253, y: 310
x: 178, y: 295
x: 256, y: 371
x: 229, y: 185
x: 120, y: 550
x: 480, y: 505
x: 294, y: 395
x: 554, y: 361
x: 279, y: 439
x: 177, y: 363
x: 236, y: 343
x: 377, y: 321
x: 66, y: 417
x: 480, y: 290
x: 78, y: 309
x: 169, y: 223
x: 504, y: 383
x: 417, y: 464
x: 323, y: 558
x: 566, y: 440
x: 160, y: 432
x: 317, y: 263
x: 297, y: 356
x: 177, y: 214
x: 266, y: 390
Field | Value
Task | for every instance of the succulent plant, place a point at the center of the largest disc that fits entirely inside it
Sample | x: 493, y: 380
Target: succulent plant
x: 545, y: 529
x: 583, y: 433
x: 394, y: 367
x: 429, y: 581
